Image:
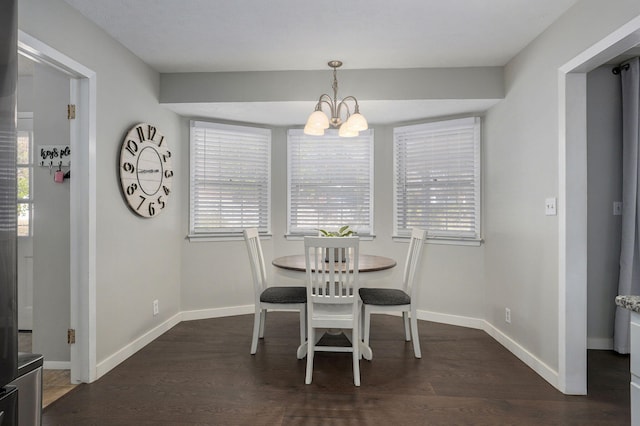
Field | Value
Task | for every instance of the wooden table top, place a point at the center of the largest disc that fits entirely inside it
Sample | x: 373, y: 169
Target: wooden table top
x: 366, y: 263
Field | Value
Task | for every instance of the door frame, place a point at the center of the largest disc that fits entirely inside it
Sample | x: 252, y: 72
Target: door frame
x: 83, y: 91
x: 572, y: 232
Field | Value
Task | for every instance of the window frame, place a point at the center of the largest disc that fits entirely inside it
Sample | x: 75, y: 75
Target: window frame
x: 294, y: 135
x: 471, y: 124
x: 260, y: 135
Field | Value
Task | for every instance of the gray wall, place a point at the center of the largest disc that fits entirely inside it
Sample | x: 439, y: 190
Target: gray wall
x: 604, y: 162
x: 138, y: 260
x: 522, y: 169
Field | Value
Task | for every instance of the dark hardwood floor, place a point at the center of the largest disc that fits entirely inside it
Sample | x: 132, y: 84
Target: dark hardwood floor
x: 201, y: 373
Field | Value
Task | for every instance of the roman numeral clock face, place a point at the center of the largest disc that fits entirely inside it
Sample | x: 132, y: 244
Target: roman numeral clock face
x: 145, y: 170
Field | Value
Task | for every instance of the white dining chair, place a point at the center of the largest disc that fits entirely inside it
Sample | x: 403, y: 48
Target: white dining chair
x: 383, y: 300
x: 271, y: 297
x: 332, y: 295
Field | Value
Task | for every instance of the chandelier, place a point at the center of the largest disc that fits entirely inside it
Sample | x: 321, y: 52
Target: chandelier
x: 318, y: 120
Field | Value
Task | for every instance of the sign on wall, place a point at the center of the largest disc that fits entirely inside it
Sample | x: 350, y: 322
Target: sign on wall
x: 54, y: 155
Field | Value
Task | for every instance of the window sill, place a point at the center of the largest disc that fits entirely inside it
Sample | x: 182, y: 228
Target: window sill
x: 446, y: 241
x: 290, y: 237
x: 205, y: 238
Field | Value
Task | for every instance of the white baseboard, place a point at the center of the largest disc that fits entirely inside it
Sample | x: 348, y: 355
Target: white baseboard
x: 600, y: 343
x: 458, y: 320
x: 114, y: 360
x: 217, y: 312
x: 537, y: 365
x: 56, y: 365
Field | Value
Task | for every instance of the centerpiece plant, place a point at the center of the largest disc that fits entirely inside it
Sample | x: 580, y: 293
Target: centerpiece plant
x: 344, y: 231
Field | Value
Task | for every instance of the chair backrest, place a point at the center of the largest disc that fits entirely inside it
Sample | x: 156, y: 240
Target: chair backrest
x: 332, y: 269
x: 256, y: 260
x: 414, y: 258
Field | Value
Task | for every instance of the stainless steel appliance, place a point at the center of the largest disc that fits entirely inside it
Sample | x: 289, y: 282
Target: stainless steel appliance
x: 8, y: 212
x: 29, y: 384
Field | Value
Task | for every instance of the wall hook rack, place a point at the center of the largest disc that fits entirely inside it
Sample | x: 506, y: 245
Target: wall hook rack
x: 51, y: 155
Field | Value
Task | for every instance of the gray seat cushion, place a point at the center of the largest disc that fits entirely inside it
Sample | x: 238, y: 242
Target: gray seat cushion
x: 284, y: 295
x: 384, y: 296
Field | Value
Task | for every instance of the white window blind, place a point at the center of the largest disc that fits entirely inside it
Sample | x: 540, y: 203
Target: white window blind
x: 437, y: 179
x: 230, y: 179
x: 330, y: 182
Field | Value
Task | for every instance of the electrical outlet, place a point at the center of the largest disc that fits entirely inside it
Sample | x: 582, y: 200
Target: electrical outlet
x: 156, y: 307
x: 507, y: 315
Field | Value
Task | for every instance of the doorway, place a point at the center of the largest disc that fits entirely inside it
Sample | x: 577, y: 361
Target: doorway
x: 573, y: 195
x: 82, y: 196
x: 44, y: 200
x: 43, y: 221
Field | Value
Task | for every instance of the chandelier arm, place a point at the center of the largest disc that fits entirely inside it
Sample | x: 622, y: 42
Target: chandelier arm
x: 330, y: 102
x: 355, y: 101
x: 346, y: 107
x: 324, y: 98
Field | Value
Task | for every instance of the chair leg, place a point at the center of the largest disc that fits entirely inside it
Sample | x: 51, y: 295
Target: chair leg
x: 257, y: 317
x: 367, y: 324
x: 414, y: 334
x: 263, y: 319
x: 361, y: 324
x: 303, y: 325
x: 405, y: 318
x: 355, y: 344
x: 303, y: 331
x: 311, y: 346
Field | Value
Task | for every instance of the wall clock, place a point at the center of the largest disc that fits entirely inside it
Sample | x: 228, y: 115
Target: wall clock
x: 145, y: 170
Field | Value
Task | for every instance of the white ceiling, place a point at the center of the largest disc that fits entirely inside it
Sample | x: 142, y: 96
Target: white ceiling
x: 256, y: 35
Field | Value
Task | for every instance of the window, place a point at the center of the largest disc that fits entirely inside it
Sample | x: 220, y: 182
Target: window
x: 437, y: 179
x: 24, y: 166
x: 230, y: 179
x: 330, y: 182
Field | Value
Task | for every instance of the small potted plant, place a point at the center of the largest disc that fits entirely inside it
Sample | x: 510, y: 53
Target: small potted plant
x: 344, y: 231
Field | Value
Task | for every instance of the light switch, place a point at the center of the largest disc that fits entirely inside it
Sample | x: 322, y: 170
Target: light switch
x: 550, y: 206
x: 617, y: 208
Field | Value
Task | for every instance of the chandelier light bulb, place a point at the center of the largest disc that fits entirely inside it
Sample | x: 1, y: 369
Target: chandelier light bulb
x: 357, y: 122
x: 346, y: 131
x: 318, y: 120
x: 313, y: 131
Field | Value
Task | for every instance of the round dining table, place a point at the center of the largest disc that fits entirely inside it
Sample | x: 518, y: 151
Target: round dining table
x: 366, y: 263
